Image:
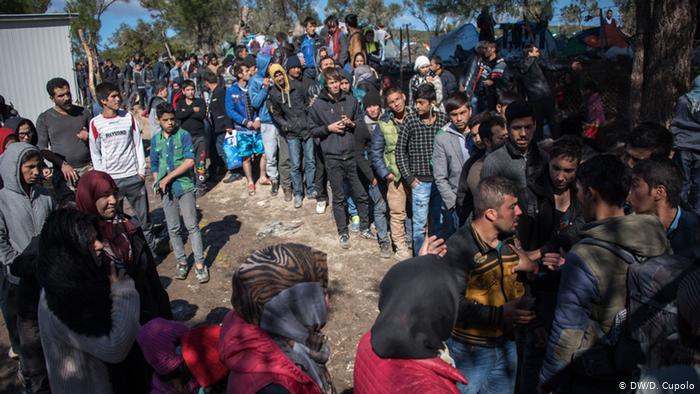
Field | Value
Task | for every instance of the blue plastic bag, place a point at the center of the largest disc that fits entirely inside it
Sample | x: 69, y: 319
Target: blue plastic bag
x: 233, y: 159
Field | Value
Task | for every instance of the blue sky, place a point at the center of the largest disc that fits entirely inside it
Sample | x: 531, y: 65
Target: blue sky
x: 129, y: 12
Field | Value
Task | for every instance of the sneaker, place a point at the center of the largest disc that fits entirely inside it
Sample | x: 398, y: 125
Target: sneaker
x: 385, y: 251
x: 297, y: 201
x: 287, y: 194
x: 11, y: 354
x: 367, y: 234
x: 181, y: 271
x: 355, y: 224
x: 275, y: 188
x: 232, y: 177
x: 202, y: 274
x: 344, y: 240
x: 321, y: 207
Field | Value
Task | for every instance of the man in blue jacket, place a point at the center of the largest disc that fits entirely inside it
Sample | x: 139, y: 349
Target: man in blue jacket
x: 258, y: 90
x: 240, y: 109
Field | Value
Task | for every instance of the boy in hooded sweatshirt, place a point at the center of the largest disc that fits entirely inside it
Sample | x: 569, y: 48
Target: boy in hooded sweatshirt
x: 258, y: 89
x: 24, y: 206
x: 288, y: 109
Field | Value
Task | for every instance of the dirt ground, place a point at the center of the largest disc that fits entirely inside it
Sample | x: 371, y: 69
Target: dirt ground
x: 230, y: 220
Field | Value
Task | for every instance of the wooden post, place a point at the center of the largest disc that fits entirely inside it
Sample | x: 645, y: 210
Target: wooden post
x: 401, y: 57
x: 408, y: 39
x: 90, y: 60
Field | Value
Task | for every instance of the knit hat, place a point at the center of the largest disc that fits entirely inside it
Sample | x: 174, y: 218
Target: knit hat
x: 158, y: 340
x: 345, y: 75
x: 292, y: 61
x: 200, y: 349
x: 372, y: 98
x: 689, y: 299
x: 420, y: 62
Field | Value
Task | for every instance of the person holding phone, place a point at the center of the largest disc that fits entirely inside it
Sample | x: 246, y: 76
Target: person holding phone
x: 172, y: 161
x: 334, y: 117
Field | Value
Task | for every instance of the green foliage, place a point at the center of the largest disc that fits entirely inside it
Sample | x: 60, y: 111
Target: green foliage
x: 368, y: 11
x: 204, y: 23
x: 146, y: 38
x: 24, y: 6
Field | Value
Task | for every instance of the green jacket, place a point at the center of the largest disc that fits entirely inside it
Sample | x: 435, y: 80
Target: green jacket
x: 384, y: 147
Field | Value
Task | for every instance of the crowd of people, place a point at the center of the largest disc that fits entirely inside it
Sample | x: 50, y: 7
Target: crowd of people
x: 532, y: 260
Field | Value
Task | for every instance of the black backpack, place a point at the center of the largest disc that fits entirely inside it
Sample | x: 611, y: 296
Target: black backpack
x: 644, y: 332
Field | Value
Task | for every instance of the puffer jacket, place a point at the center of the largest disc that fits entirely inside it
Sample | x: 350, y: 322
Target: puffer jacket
x: 256, y: 361
x: 533, y: 79
x: 381, y: 375
x: 593, y: 289
x: 384, y: 147
x: 22, y: 215
x: 258, y: 93
x: 327, y: 110
x: 288, y: 108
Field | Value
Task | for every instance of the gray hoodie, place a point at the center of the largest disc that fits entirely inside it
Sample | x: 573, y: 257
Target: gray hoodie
x: 449, y: 155
x: 21, y: 216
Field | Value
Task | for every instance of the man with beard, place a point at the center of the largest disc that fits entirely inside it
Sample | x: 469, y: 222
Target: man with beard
x: 63, y: 127
x: 486, y: 260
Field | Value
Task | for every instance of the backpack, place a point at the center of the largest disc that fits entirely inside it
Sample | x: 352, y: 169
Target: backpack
x: 645, y: 329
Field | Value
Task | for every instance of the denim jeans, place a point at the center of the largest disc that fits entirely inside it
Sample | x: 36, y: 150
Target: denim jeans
x: 297, y: 147
x: 488, y: 369
x: 352, y: 208
x: 377, y: 198
x: 173, y: 207
x: 269, y: 137
x: 133, y: 189
x: 426, y: 203
x: 689, y: 162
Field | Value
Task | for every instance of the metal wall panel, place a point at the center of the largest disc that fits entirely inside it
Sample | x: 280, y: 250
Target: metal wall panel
x: 32, y: 51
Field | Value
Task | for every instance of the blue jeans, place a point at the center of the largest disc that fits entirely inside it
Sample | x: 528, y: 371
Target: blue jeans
x: 297, y: 147
x: 689, y: 162
x: 426, y: 203
x: 352, y: 208
x: 488, y: 369
x: 377, y: 198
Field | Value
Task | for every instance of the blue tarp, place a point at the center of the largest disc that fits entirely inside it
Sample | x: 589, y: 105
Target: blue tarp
x: 446, y: 45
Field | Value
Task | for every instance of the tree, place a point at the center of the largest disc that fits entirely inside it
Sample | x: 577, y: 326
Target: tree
x: 425, y: 12
x: 663, y: 47
x: 89, y: 17
x: 572, y: 14
x: 204, y: 23
x: 25, y: 6
x: 338, y: 7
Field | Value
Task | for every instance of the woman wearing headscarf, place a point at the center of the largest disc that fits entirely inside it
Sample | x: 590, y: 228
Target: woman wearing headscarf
x: 405, y: 350
x: 124, y: 242
x: 272, y: 342
x: 88, y: 313
x: 685, y: 127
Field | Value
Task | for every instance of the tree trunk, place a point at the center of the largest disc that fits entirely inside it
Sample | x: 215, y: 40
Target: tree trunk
x: 668, y: 56
x: 642, y: 15
x: 90, y: 59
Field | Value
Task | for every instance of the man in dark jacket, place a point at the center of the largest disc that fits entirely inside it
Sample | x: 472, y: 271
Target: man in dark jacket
x: 288, y: 104
x: 685, y: 127
x: 548, y: 226
x: 656, y: 190
x: 449, y: 82
x: 110, y: 73
x: 219, y: 120
x: 519, y: 159
x: 191, y: 112
x: 593, y: 287
x: 333, y: 119
x: 649, y: 140
x: 160, y: 70
x: 537, y: 90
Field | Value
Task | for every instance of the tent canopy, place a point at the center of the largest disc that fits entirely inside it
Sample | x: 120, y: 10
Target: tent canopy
x: 447, y: 45
x: 517, y: 35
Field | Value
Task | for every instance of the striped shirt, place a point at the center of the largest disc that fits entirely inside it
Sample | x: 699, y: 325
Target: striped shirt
x: 116, y: 147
